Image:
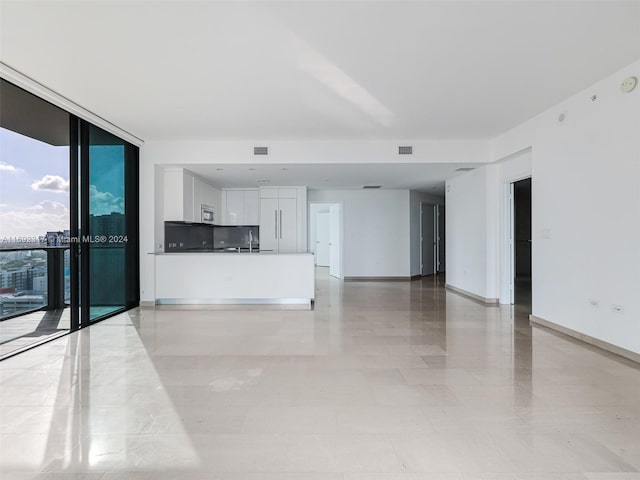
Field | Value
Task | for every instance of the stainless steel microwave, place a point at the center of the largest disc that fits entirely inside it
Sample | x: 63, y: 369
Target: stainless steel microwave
x: 208, y: 214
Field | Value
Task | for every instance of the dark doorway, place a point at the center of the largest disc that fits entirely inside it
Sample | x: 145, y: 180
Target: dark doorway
x: 522, y: 233
x: 429, y: 236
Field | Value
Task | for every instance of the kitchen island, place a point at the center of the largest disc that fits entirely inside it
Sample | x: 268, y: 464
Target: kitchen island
x: 213, y: 278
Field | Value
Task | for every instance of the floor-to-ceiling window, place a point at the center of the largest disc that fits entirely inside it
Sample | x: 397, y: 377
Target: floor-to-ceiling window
x: 68, y: 221
x: 111, y: 218
x: 34, y: 219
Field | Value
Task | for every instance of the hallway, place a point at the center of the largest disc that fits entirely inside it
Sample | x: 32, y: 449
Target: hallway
x: 382, y: 380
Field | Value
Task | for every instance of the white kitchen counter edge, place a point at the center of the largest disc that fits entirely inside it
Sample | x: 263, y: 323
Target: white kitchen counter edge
x: 229, y: 254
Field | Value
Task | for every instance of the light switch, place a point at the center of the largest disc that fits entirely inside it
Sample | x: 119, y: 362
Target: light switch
x: 546, y: 233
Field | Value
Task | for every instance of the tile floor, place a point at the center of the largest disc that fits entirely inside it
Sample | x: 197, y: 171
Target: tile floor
x: 382, y: 381
x: 32, y: 328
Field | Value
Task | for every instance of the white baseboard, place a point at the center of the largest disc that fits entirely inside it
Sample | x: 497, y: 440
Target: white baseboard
x: 609, y: 347
x: 472, y: 296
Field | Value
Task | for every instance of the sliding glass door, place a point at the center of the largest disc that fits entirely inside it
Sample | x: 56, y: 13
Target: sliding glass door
x: 109, y: 222
x: 68, y: 221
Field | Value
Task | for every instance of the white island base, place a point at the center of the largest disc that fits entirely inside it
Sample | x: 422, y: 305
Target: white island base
x: 235, y: 278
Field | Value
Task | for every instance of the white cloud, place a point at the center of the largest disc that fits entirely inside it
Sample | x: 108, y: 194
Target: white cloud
x: 5, y: 167
x: 52, y: 183
x: 104, y: 203
x: 34, y: 220
x: 48, y: 206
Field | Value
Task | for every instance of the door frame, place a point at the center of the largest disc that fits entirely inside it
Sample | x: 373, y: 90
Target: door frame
x: 437, y: 237
x: 507, y: 250
x: 310, y: 219
x: 327, y: 218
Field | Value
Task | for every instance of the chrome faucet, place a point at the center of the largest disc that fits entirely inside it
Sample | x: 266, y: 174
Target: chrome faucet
x: 250, y: 241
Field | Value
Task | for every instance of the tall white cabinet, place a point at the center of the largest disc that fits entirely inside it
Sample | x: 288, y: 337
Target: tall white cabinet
x: 281, y: 219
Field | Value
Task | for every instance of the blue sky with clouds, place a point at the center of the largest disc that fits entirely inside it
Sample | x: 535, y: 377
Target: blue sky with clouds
x: 34, y: 184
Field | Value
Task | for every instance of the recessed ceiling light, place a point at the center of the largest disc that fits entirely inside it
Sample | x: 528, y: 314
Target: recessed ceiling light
x: 283, y: 169
x: 465, y: 169
x: 219, y: 169
x: 252, y: 169
x: 371, y: 187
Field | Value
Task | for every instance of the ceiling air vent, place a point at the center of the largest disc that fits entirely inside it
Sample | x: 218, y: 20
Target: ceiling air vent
x: 406, y: 150
x: 465, y: 169
x: 261, y: 150
x: 371, y: 187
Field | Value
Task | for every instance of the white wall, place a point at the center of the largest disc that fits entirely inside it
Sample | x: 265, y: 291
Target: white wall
x: 327, y: 151
x: 314, y: 209
x: 475, y: 214
x: 376, y: 230
x: 415, y: 245
x: 585, y: 194
x: 466, y: 213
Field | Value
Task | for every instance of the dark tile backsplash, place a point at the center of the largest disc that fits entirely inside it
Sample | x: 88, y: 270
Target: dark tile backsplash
x: 199, y: 237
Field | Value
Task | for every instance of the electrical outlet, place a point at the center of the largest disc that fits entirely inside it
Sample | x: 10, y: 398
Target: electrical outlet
x: 617, y: 308
x: 594, y: 303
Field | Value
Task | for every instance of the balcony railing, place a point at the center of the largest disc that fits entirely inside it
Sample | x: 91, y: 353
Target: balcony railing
x: 33, y: 278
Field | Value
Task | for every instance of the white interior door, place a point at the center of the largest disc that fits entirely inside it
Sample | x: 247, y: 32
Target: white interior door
x: 335, y: 246
x: 322, y: 239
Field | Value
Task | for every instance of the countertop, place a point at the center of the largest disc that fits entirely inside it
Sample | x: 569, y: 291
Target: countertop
x: 228, y: 254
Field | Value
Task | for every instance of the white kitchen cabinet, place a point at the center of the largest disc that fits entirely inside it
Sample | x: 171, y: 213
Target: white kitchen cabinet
x: 269, y: 192
x: 198, y: 189
x: 242, y: 207
x: 188, y: 203
x: 288, y: 225
x: 288, y: 193
x: 234, y: 207
x: 211, y: 198
x: 178, y: 195
x: 252, y: 207
x: 279, y: 220
x: 269, y: 224
x: 184, y: 195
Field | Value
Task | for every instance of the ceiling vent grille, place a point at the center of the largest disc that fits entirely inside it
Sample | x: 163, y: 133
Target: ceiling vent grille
x: 405, y: 150
x: 261, y: 150
x: 371, y: 187
x: 465, y: 169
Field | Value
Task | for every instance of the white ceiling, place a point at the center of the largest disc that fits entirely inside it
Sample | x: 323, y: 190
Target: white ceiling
x: 428, y: 178
x: 318, y: 69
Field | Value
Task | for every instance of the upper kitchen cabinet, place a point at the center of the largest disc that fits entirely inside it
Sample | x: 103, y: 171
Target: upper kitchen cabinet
x: 184, y: 195
x: 279, y: 192
x: 241, y: 206
x: 178, y: 195
x: 283, y: 219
